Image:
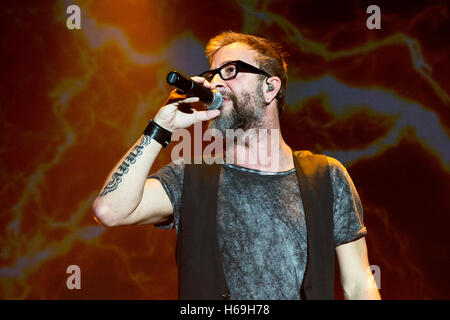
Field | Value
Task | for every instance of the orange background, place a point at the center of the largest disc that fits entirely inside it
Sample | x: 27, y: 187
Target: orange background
x: 74, y: 101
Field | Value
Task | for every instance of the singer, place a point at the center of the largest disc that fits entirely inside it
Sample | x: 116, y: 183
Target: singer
x: 245, y: 229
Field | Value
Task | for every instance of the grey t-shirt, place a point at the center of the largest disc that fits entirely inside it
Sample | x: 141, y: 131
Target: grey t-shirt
x: 261, y: 225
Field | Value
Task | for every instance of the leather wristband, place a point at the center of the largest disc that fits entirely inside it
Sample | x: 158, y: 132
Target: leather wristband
x: 158, y: 133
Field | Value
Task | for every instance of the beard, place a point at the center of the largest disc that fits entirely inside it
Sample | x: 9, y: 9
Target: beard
x: 247, y: 112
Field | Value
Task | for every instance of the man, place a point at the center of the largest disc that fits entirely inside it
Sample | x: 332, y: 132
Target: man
x: 259, y: 215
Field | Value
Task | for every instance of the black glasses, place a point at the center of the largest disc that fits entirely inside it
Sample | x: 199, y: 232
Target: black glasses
x: 231, y: 69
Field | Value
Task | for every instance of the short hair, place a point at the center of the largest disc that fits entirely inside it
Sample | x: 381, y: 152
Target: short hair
x: 270, y: 57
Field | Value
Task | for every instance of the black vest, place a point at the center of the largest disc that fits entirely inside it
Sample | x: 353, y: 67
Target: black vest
x: 200, y: 269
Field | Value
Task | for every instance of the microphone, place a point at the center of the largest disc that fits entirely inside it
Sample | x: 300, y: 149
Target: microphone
x: 213, y: 99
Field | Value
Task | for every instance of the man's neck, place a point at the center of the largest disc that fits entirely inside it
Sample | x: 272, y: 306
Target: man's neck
x: 260, y: 149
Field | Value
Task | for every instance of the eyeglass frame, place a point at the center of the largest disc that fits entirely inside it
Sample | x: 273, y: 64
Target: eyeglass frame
x: 241, y: 66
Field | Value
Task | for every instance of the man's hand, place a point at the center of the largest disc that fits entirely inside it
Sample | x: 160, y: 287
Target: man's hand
x: 170, y: 118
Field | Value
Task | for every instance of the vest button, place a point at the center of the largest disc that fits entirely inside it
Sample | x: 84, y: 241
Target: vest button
x: 226, y: 295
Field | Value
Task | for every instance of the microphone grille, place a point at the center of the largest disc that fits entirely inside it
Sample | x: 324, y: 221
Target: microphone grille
x: 217, y: 101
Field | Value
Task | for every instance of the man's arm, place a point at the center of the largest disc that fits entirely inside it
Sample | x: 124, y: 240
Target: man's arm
x: 356, y: 277
x: 127, y: 196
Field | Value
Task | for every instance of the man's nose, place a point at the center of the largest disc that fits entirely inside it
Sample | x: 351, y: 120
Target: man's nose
x: 217, y: 82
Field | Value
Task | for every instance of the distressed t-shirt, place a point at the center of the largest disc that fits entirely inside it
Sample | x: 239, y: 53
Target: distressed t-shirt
x: 261, y: 225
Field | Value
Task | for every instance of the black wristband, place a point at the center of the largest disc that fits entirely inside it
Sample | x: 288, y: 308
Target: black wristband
x: 158, y: 133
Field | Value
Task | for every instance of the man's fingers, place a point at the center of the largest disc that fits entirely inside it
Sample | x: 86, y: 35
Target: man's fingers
x: 174, y: 105
x: 206, y: 115
x: 202, y: 81
x: 189, y: 100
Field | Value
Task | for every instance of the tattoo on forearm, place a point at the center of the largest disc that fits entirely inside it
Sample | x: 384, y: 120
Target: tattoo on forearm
x: 122, y: 170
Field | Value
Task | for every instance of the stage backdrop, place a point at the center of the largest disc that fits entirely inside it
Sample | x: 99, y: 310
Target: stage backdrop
x: 74, y: 100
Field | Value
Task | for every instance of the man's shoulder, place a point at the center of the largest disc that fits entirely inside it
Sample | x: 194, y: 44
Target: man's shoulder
x: 333, y: 164
x: 306, y: 153
x: 177, y: 165
x: 172, y: 169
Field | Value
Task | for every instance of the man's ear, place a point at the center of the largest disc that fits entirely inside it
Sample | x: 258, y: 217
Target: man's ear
x: 271, y: 88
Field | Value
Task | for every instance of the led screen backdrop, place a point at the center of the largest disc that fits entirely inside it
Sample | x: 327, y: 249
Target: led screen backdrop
x: 74, y: 100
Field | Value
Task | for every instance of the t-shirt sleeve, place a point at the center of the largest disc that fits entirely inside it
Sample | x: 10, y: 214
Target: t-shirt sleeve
x: 347, y: 208
x: 171, y: 178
